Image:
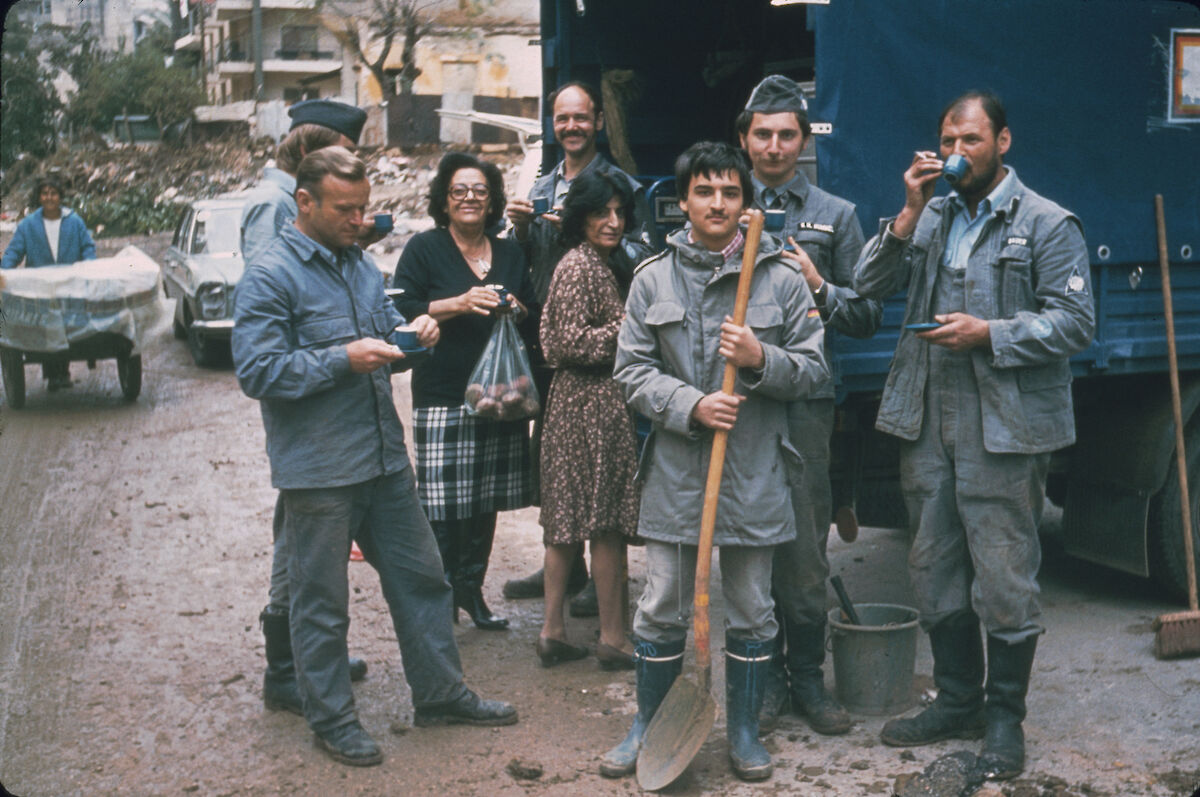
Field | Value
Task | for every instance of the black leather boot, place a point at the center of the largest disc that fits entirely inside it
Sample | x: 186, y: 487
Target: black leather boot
x: 810, y: 698
x: 657, y: 667
x: 746, y: 664
x: 957, y: 713
x: 534, y: 584
x: 280, y: 692
x: 1009, y: 668
x: 474, y: 544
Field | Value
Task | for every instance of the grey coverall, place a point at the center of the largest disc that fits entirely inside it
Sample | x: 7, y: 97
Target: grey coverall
x: 978, y: 426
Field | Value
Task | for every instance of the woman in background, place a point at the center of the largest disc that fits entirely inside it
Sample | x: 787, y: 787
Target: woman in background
x: 589, y: 448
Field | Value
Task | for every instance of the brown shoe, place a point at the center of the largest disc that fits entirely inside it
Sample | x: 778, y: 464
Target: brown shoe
x: 611, y: 658
x: 553, y: 651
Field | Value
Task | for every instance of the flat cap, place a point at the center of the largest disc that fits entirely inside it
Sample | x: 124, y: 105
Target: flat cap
x: 777, y: 94
x: 345, y: 119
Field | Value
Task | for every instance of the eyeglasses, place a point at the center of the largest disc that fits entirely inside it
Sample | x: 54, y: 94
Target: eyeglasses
x: 459, y: 192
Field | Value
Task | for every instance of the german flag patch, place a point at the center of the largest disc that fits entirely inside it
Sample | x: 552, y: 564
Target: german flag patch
x: 814, y: 313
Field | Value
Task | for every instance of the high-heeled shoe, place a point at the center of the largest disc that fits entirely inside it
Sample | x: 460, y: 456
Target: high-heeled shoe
x: 553, y: 651
x: 471, y: 601
x: 611, y: 658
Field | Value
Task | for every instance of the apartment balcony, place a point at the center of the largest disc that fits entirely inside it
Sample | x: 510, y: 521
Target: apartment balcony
x: 228, y: 9
x: 235, y: 58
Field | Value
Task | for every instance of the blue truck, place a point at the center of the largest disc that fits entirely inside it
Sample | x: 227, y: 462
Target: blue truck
x: 1105, y: 114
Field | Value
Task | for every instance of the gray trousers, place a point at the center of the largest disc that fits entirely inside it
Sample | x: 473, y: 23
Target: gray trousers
x: 801, y: 566
x: 664, y: 610
x: 975, y: 514
x: 383, y: 516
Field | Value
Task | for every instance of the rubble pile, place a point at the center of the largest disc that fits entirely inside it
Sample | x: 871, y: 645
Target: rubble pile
x: 172, y: 175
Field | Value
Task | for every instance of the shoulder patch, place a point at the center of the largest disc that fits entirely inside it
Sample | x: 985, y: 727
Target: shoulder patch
x: 1016, y: 240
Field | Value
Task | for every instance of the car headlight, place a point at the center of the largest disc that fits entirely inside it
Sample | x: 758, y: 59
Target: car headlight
x: 211, y: 299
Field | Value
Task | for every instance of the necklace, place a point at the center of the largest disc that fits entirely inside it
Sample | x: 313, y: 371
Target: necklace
x: 480, y: 263
x: 483, y: 265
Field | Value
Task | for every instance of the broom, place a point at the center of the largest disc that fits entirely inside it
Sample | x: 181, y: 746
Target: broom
x: 1176, y: 634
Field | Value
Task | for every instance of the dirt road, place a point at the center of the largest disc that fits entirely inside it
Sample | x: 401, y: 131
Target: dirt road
x: 134, y: 555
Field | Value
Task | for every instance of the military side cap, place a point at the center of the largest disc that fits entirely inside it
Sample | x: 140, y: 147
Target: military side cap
x: 777, y: 94
x: 345, y: 119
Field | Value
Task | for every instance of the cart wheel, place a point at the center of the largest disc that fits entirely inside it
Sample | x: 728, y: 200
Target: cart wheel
x: 129, y: 373
x: 12, y: 366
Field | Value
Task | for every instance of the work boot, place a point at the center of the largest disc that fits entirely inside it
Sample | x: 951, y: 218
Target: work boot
x: 350, y: 744
x: 1009, y: 667
x: 746, y: 665
x: 775, y: 697
x: 534, y: 584
x: 810, y: 698
x: 657, y: 667
x: 957, y: 713
x: 585, y: 604
x: 280, y: 692
x: 470, y: 709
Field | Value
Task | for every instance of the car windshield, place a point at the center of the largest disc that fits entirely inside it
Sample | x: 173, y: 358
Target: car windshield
x: 217, y: 232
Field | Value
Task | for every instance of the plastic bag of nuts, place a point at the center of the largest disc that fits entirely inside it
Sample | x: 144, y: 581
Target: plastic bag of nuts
x: 501, y: 385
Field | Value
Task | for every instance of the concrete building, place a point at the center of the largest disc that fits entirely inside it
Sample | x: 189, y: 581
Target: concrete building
x: 118, y: 24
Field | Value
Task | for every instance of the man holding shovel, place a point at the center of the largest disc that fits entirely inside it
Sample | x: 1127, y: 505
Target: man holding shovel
x: 673, y: 347
x: 999, y: 278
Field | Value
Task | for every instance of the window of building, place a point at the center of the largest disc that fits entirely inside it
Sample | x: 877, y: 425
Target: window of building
x: 298, y: 41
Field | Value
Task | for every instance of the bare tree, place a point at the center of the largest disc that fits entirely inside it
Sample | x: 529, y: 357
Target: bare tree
x: 363, y: 24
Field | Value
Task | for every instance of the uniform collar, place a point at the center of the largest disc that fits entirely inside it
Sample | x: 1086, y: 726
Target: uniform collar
x: 1002, y: 200
x: 308, y: 249
x: 797, y: 187
x: 279, y: 177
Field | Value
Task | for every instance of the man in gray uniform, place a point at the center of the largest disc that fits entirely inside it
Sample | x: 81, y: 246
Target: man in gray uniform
x: 825, y: 239
x: 270, y: 207
x: 311, y: 344
x: 578, y: 118
x: 979, y: 402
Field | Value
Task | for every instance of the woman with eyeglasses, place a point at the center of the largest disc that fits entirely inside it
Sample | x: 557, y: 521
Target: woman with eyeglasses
x: 468, y: 467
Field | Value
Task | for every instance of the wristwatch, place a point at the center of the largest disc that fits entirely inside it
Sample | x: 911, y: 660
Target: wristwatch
x: 820, y: 293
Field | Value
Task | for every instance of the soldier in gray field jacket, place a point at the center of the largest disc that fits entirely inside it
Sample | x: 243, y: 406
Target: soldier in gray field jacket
x: 827, y: 239
x: 979, y: 402
x: 673, y: 346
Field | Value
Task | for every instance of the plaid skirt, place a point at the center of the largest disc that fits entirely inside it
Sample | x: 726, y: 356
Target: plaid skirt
x: 468, y: 466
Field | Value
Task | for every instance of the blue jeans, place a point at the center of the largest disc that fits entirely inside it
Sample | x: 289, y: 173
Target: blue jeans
x: 382, y: 515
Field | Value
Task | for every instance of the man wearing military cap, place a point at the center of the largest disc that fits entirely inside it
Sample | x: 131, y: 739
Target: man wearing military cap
x: 825, y: 237
x: 316, y: 124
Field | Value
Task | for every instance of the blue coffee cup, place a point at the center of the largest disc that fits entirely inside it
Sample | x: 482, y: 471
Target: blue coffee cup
x: 383, y: 222
x: 406, y: 338
x: 773, y: 220
x: 955, y: 168
x: 541, y: 204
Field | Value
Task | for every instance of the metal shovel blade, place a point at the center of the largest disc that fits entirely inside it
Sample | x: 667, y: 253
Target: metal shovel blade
x: 677, y: 731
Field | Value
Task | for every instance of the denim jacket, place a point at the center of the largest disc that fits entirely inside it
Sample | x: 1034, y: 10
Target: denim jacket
x: 667, y: 360
x: 295, y: 310
x: 1028, y: 276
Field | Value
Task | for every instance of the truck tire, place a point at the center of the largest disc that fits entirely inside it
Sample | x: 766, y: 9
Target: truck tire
x: 1167, y: 564
x: 129, y: 374
x: 205, y: 351
x: 12, y: 366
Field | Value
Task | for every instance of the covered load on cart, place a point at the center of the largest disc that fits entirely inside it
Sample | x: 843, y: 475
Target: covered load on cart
x: 90, y: 310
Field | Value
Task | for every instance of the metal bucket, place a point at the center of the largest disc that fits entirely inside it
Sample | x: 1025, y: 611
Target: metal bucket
x: 873, y: 663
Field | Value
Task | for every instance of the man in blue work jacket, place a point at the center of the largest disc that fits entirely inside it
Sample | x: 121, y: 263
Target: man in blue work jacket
x: 979, y: 401
x: 310, y: 342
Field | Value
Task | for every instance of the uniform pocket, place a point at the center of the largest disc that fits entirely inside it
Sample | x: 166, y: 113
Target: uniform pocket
x: 323, y: 332
x: 1016, y: 281
x: 818, y: 245
x: 767, y: 322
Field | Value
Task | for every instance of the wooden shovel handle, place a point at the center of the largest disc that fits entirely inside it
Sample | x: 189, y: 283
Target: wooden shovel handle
x: 1189, y: 555
x: 716, y: 464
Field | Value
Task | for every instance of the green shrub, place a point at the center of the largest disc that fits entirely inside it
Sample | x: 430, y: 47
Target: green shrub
x: 130, y: 211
